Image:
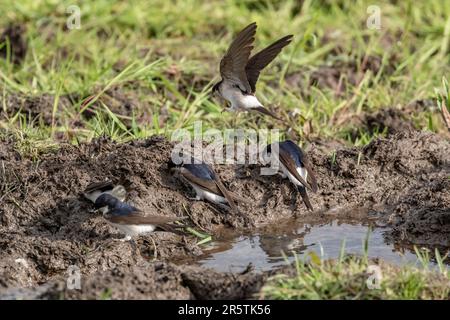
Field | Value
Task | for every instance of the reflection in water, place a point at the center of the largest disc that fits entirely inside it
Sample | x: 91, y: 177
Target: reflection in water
x: 265, y: 250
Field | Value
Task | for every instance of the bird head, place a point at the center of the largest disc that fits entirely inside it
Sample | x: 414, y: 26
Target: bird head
x: 172, y: 166
x: 106, y: 200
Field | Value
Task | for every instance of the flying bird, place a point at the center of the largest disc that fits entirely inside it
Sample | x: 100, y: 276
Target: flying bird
x: 296, y: 167
x: 94, y: 190
x: 130, y: 220
x: 205, y: 183
x: 240, y: 72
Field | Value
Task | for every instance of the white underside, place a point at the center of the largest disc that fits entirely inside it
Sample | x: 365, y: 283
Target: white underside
x: 301, y: 171
x: 134, y: 230
x: 238, y: 100
x: 203, y: 194
x: 118, y: 191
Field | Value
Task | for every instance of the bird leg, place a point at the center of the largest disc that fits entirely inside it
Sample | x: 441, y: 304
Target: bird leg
x: 126, y: 238
x: 134, y: 246
x: 155, y: 251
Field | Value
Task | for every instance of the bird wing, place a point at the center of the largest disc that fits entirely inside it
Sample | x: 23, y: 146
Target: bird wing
x: 291, y: 166
x: 138, y: 218
x: 227, y: 195
x: 99, y: 186
x: 214, y: 185
x: 260, y: 60
x: 232, y: 65
x: 206, y: 184
x: 305, y: 198
x: 311, y: 176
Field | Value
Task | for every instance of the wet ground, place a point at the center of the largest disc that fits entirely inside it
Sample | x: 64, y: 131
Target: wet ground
x: 398, y: 184
x: 271, y: 249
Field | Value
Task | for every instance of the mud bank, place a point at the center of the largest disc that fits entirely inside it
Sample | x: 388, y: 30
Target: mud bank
x: 157, y: 280
x: 401, y: 181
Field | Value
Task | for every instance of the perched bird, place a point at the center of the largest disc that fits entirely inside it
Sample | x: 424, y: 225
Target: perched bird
x: 240, y: 73
x: 130, y: 220
x: 205, y: 183
x: 94, y: 190
x: 295, y: 166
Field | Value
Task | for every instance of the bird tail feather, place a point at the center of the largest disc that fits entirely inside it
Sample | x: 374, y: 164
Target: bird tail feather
x: 305, y: 198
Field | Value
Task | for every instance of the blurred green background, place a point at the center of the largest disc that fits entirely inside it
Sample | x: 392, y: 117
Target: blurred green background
x: 149, y: 66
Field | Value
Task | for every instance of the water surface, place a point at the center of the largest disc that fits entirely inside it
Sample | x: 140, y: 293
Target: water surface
x: 264, y: 249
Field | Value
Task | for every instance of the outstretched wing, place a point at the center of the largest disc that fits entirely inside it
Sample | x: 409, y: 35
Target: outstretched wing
x: 260, y: 60
x: 232, y: 65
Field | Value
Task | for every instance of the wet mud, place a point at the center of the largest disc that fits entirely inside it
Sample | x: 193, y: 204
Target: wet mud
x: 400, y: 182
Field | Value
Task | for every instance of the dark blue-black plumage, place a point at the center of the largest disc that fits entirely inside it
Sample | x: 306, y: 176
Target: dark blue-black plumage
x: 296, y: 167
x: 204, y: 180
x: 200, y: 170
x: 294, y: 151
x: 115, y: 206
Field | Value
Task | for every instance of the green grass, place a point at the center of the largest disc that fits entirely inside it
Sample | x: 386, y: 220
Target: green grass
x: 165, y: 55
x: 346, y: 278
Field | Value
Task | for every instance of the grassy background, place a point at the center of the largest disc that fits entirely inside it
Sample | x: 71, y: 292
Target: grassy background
x: 163, y: 57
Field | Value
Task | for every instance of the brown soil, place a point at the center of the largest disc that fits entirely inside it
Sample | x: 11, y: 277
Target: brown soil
x: 15, y: 34
x: 125, y: 104
x: 46, y: 224
x: 383, y: 121
x: 337, y: 75
x: 35, y: 108
x: 157, y: 280
x: 40, y: 108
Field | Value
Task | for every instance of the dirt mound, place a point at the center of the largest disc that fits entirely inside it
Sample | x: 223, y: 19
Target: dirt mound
x: 47, y: 225
x: 387, y: 120
x: 403, y: 179
x: 150, y: 281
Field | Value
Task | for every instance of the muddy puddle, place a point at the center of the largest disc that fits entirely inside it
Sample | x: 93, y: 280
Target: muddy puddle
x: 398, y: 184
x: 271, y: 249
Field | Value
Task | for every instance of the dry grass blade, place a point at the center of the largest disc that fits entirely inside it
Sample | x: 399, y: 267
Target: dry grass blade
x: 445, y: 115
